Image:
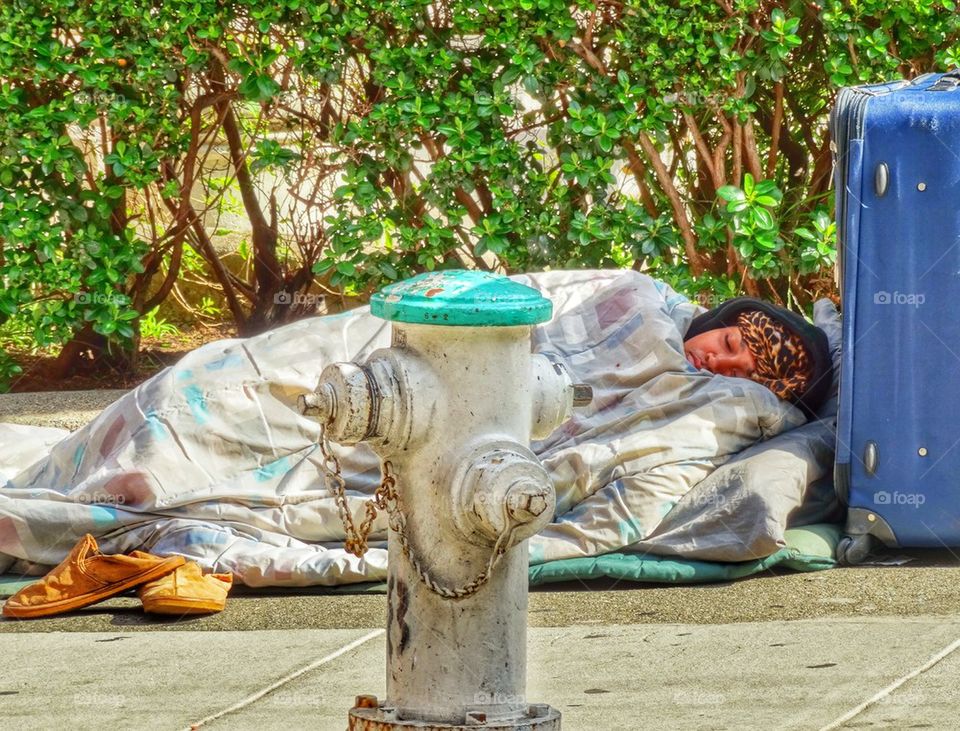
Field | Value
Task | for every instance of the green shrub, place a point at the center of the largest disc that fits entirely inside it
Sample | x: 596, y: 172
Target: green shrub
x: 687, y: 138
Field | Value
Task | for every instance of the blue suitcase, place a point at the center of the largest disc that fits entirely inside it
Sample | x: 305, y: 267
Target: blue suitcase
x: 897, y: 172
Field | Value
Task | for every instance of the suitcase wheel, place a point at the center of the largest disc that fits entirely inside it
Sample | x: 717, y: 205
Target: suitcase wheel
x: 854, y: 549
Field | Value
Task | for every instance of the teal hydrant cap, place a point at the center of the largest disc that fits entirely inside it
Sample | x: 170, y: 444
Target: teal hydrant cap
x: 461, y: 297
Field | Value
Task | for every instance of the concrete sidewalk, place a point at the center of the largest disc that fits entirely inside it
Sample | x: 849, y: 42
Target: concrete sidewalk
x: 811, y: 674
x: 928, y: 587
x: 62, y: 409
x: 608, y: 656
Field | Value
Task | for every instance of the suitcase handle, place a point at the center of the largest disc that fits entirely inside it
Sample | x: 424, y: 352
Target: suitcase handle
x: 947, y: 82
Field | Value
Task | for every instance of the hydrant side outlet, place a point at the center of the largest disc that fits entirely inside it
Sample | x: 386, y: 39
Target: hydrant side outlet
x: 553, y: 396
x: 499, y: 485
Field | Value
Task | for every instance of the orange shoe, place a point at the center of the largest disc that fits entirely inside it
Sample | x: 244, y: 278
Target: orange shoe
x: 86, y: 577
x: 186, y: 591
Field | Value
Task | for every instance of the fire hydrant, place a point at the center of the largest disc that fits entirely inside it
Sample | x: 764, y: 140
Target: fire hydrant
x: 450, y: 408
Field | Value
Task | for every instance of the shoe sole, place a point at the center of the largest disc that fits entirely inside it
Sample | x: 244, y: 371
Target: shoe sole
x: 183, y: 606
x: 85, y: 600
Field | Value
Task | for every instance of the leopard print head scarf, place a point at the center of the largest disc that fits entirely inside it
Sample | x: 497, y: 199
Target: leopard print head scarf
x: 783, y: 363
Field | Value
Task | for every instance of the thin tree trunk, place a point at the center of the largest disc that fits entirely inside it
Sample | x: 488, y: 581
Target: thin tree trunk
x: 775, y: 129
x: 268, y: 274
x: 679, y: 212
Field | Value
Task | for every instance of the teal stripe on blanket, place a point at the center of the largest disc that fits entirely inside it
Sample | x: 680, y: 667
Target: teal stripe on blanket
x: 811, y: 548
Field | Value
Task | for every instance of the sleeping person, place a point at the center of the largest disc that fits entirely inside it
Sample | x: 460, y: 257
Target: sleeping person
x: 212, y: 460
x: 749, y: 338
x: 678, y: 390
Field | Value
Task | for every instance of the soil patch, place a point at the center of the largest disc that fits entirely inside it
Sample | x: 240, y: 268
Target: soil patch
x: 155, y: 355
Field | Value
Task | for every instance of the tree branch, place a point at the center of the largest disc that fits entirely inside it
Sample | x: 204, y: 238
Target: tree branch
x: 673, y: 195
x: 751, y: 151
x: 473, y: 210
x: 637, y: 169
x: 775, y: 128
x: 266, y: 268
x: 702, y: 149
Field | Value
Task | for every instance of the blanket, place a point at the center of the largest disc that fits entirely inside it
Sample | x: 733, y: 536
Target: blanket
x: 211, y: 459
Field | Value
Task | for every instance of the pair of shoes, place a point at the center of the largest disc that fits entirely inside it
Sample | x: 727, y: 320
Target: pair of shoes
x: 87, y: 576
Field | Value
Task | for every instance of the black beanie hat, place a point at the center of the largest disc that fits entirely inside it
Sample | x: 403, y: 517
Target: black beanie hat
x: 813, y: 338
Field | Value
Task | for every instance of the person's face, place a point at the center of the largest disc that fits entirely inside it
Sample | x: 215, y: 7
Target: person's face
x: 721, y: 351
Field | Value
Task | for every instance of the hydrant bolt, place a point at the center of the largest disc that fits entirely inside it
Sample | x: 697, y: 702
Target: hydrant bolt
x: 321, y: 404
x: 526, y: 502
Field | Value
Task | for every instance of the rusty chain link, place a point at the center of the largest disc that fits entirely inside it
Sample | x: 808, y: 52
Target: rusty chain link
x: 386, y: 498
x: 356, y: 539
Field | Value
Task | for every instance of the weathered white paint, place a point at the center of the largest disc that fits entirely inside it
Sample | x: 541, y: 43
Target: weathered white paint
x: 453, y: 409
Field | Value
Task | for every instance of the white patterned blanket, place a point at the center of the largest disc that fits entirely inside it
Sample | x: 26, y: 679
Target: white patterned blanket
x: 211, y: 459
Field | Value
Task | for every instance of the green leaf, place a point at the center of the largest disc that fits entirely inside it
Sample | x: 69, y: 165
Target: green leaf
x: 730, y: 193
x: 389, y: 270
x: 762, y: 217
x: 767, y: 187
x: 258, y: 88
x: 510, y: 75
x: 267, y: 88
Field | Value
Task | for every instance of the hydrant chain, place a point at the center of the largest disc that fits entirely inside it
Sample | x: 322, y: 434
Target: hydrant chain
x: 472, y: 586
x: 386, y: 498
x: 355, y: 540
